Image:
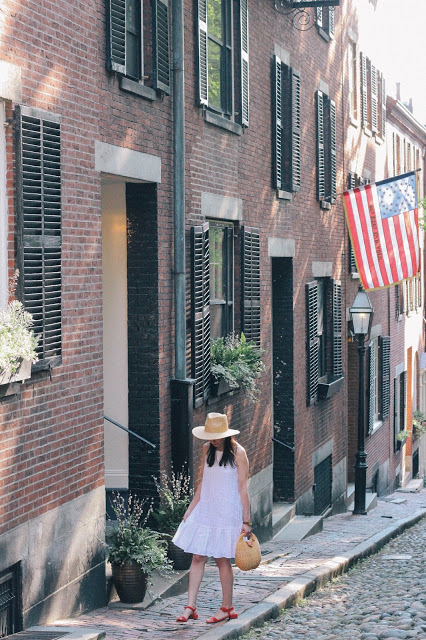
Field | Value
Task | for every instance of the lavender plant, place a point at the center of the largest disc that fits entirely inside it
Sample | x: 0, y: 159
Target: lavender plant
x: 175, y: 494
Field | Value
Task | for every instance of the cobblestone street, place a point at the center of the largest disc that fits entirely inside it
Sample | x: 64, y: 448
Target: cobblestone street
x: 382, y: 597
x: 286, y: 567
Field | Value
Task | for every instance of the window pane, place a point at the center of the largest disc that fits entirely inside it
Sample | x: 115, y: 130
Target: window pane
x: 217, y: 282
x: 214, y: 55
x: 214, y: 19
x: 133, y: 39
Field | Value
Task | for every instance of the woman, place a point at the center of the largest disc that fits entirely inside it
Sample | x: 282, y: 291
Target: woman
x: 218, y: 514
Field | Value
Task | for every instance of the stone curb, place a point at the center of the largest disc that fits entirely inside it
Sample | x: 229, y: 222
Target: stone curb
x: 308, y: 582
x: 73, y: 633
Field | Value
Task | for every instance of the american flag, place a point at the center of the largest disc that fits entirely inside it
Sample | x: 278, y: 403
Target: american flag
x: 383, y: 224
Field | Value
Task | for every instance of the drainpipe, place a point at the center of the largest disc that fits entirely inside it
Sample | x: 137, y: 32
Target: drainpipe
x: 181, y: 386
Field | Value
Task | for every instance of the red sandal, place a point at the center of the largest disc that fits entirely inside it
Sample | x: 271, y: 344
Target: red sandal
x: 193, y: 615
x: 229, y: 616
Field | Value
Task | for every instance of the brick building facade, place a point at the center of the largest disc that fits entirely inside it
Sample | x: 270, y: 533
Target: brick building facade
x: 272, y: 133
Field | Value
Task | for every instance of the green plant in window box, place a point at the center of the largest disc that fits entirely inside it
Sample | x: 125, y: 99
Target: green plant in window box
x: 419, y: 423
x: 402, y: 435
x: 17, y: 341
x: 238, y: 362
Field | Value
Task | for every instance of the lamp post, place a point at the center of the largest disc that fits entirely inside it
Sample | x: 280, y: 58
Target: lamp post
x: 361, y: 316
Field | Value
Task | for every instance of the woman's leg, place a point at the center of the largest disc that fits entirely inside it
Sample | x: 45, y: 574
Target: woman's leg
x: 226, y: 574
x: 226, y: 580
x: 196, y: 573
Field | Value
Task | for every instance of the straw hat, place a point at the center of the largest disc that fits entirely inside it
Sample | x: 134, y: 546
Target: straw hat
x: 216, y: 427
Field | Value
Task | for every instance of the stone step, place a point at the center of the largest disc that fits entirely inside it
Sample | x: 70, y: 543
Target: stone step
x: 413, y: 486
x: 370, y: 501
x: 282, y: 513
x: 299, y: 528
x: 65, y: 633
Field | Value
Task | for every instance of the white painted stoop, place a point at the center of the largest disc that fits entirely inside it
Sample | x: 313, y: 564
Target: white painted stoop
x: 286, y: 526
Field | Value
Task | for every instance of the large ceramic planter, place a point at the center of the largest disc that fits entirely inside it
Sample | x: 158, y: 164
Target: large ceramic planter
x: 23, y: 373
x: 130, y: 582
x: 180, y: 559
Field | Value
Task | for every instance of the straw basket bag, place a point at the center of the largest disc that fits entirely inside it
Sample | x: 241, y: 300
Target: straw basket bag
x: 247, y: 557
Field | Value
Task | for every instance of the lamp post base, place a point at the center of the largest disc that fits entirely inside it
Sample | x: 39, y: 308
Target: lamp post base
x: 360, y: 483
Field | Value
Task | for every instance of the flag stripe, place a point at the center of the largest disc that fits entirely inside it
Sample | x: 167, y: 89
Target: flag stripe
x: 365, y: 233
x: 415, y: 227
x: 395, y: 247
x: 400, y: 244
x: 396, y: 275
x: 375, y: 230
x: 385, y: 242
x: 410, y: 241
x: 359, y: 248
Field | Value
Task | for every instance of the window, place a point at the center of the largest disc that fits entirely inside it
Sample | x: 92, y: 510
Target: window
x: 126, y: 47
x: 325, y: 22
x: 373, y: 98
x: 379, y: 381
x: 399, y: 386
x: 326, y: 150
x: 221, y: 251
x: 212, y: 293
x: 287, y: 100
x: 223, y: 70
x: 324, y: 337
x: 39, y: 223
x: 353, y: 80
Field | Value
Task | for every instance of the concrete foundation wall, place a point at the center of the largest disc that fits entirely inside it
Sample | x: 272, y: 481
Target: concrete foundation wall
x: 260, y: 491
x: 61, y: 557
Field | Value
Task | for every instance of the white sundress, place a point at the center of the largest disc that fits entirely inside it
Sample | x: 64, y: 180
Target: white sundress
x: 214, y: 526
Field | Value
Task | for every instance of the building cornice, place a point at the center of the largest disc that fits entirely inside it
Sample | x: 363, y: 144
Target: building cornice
x: 400, y: 112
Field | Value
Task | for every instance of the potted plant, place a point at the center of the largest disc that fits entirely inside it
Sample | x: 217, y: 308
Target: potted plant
x: 175, y: 495
x: 237, y: 362
x: 17, y: 341
x: 419, y: 423
x: 134, y: 550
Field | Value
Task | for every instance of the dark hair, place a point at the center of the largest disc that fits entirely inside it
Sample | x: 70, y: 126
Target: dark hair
x: 227, y: 456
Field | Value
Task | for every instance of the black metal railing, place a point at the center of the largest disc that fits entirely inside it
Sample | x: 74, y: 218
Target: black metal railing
x: 136, y: 435
x: 283, y: 444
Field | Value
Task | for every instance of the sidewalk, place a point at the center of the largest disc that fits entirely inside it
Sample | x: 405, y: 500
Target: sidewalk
x: 288, y: 572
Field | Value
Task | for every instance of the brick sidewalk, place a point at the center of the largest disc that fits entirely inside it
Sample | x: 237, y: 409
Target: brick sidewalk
x: 283, y: 563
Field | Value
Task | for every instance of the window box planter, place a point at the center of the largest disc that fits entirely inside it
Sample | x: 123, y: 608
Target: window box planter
x: 400, y: 443
x: 220, y: 388
x: 23, y: 373
x: 328, y: 386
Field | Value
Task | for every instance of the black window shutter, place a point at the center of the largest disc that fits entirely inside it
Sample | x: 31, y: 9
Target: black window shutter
x: 364, y: 109
x: 319, y: 11
x: 295, y: 177
x: 200, y: 308
x: 244, y: 40
x: 250, y: 277
x: 161, y: 45
x: 320, y: 145
x: 382, y: 99
x: 337, y: 329
x: 384, y: 342
x: 278, y: 134
x: 395, y: 412
x: 333, y: 161
x: 202, y: 52
x: 352, y: 262
x: 116, y: 35
x: 312, y: 340
x: 39, y: 220
x: 371, y: 386
x: 374, y: 100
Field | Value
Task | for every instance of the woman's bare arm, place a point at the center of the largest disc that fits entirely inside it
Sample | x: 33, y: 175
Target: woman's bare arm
x: 196, y: 499
x: 243, y: 472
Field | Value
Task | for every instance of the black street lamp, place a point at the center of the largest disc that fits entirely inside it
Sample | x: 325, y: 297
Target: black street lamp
x: 361, y: 316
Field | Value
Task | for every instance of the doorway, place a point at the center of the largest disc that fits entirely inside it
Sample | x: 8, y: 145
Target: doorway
x: 283, y: 376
